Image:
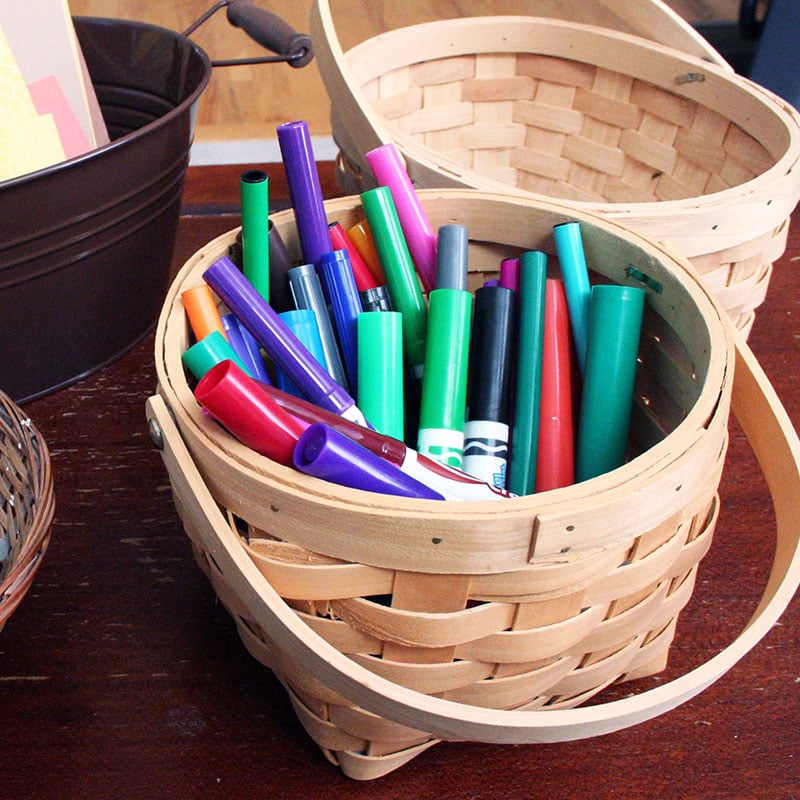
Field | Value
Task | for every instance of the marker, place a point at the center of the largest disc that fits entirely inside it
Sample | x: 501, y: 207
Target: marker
x: 528, y: 375
x: 453, y: 484
x: 307, y: 291
x: 325, y: 453
x: 604, y: 421
x: 240, y: 403
x: 390, y: 171
x: 337, y: 276
x: 361, y: 237
x: 452, y: 257
x: 444, y: 382
x: 302, y: 322
x: 404, y: 288
x: 201, y: 311
x: 510, y: 273
x: 361, y: 272
x: 280, y: 262
x: 569, y: 247
x: 555, y: 465
x: 486, y: 430
x: 208, y: 352
x: 380, y: 370
x: 283, y: 347
x: 305, y: 191
x: 248, y: 349
x: 376, y: 299
x: 254, y: 193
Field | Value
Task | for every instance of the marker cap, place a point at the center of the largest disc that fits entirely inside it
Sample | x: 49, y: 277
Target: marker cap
x: 452, y: 257
x: 254, y: 193
x: 380, y: 371
x: 239, y: 403
x: 302, y: 322
x: 201, y: 311
x: 376, y: 299
x: 325, y: 453
x: 389, y: 169
x: 208, y: 352
x: 604, y: 421
x: 575, y: 273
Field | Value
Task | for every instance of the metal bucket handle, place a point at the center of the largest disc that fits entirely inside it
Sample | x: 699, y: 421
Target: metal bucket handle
x: 269, y: 30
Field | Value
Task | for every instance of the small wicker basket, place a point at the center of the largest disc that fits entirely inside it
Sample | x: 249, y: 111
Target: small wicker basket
x: 26, y: 504
x: 678, y: 148
x: 394, y: 623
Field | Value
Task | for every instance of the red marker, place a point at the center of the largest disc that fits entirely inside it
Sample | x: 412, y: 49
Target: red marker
x: 240, y: 403
x: 555, y: 463
x: 361, y: 272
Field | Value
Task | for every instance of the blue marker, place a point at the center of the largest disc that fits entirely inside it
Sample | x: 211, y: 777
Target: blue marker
x: 283, y: 347
x: 246, y: 347
x: 302, y: 322
x: 338, y: 278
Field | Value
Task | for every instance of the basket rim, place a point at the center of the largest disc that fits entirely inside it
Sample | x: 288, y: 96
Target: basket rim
x: 707, y: 418
x: 654, y: 63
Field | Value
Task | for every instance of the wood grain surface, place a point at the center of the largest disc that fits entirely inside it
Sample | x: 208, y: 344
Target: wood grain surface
x: 248, y: 102
x: 121, y: 676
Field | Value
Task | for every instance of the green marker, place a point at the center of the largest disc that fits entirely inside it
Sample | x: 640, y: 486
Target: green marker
x: 380, y: 371
x: 615, y: 324
x: 525, y: 430
x: 401, y: 278
x: 444, y: 382
x: 254, y: 190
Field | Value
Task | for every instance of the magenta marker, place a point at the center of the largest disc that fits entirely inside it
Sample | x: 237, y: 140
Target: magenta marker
x: 510, y: 273
x: 389, y: 170
x: 283, y: 347
x: 451, y: 483
x: 325, y: 453
x: 305, y: 191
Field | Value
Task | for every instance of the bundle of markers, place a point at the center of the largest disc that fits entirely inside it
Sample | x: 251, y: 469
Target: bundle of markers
x: 371, y: 365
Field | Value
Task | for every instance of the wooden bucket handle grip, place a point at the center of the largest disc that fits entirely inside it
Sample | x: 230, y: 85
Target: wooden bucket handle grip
x: 776, y: 446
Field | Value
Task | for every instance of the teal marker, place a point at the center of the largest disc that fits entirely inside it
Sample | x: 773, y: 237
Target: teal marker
x: 254, y: 191
x: 380, y: 371
x: 607, y: 398
x: 208, y: 352
x: 527, y: 398
x: 444, y: 382
x: 575, y: 273
x: 401, y: 278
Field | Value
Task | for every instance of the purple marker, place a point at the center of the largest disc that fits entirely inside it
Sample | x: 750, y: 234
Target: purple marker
x: 285, y: 349
x: 389, y: 170
x: 246, y: 347
x: 325, y: 453
x: 305, y: 191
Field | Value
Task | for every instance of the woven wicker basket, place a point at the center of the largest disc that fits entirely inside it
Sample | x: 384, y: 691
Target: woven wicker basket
x: 26, y: 504
x: 395, y: 623
x: 679, y: 148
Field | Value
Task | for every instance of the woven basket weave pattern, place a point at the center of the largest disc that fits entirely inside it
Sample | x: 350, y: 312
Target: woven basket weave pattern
x: 26, y: 504
x: 681, y: 150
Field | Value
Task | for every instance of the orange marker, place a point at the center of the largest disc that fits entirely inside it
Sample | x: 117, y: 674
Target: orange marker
x: 202, y: 311
x: 361, y: 237
x: 361, y: 272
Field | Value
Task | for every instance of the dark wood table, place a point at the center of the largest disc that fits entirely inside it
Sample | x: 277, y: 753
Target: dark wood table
x: 121, y: 676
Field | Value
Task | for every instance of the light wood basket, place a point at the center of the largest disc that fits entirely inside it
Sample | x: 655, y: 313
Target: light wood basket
x: 396, y: 623
x: 27, y: 504
x: 679, y: 148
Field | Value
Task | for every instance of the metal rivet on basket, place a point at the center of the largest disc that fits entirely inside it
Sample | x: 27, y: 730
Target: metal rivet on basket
x: 691, y: 77
x: 155, y: 434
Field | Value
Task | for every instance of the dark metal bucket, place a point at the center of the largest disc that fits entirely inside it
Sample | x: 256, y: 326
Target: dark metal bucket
x: 86, y: 245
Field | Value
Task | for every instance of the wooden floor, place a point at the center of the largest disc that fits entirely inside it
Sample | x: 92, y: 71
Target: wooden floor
x: 248, y: 102
x: 122, y: 676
